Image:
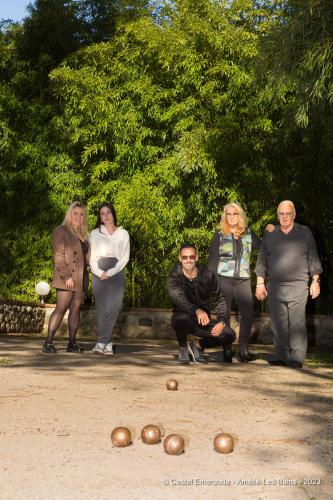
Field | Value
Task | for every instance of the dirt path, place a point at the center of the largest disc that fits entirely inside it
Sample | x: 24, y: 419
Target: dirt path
x: 57, y: 413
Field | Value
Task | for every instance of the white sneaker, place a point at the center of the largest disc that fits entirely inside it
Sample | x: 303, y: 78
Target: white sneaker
x: 99, y: 348
x: 108, y: 349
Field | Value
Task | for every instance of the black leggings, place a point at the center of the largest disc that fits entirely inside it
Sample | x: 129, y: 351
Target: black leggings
x: 66, y: 299
x: 184, y: 325
x: 240, y: 290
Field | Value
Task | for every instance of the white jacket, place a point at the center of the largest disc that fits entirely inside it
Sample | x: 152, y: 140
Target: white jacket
x: 104, y: 244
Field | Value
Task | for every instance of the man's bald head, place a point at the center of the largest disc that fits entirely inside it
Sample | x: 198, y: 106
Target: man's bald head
x: 286, y: 206
x: 286, y: 214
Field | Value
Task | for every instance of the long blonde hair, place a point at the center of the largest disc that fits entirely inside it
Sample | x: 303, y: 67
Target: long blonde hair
x: 82, y: 231
x: 242, y: 225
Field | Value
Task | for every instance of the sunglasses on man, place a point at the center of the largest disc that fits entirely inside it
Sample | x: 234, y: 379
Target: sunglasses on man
x: 188, y: 257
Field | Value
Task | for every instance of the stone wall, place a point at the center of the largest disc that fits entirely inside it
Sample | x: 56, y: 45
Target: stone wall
x: 146, y: 323
x: 156, y: 324
x: 143, y: 323
x: 21, y: 317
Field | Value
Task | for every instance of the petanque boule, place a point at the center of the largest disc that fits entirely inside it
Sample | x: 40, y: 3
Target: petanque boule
x: 121, y: 437
x: 151, y: 434
x: 223, y: 443
x: 172, y: 384
x: 174, y: 444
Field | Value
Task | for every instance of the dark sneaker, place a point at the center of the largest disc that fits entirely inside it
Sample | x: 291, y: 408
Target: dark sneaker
x: 74, y: 347
x: 48, y: 347
x: 277, y: 362
x: 183, y: 356
x: 196, y: 353
x: 227, y: 354
x: 244, y: 356
x: 295, y: 364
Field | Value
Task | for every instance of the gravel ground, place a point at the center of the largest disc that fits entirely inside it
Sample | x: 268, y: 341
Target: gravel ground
x: 57, y: 413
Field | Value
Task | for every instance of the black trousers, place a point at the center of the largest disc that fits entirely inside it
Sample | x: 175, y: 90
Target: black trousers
x: 185, y: 325
x: 240, y: 290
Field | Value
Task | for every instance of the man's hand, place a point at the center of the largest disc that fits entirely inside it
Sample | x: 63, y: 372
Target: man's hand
x: 314, y: 289
x: 69, y: 283
x: 217, y: 329
x: 261, y: 292
x: 202, y: 317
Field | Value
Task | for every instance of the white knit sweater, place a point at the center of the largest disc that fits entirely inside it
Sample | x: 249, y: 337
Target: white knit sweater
x: 104, y: 244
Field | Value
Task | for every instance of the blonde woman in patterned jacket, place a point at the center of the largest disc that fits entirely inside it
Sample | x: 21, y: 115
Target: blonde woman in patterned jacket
x: 229, y: 258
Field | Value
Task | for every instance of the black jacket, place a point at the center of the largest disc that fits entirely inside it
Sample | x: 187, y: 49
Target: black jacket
x: 200, y: 293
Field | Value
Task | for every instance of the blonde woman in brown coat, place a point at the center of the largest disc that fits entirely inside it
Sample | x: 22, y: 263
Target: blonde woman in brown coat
x: 70, y: 277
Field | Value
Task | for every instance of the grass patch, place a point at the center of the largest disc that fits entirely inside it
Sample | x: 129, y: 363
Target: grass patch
x: 319, y: 359
x: 5, y: 361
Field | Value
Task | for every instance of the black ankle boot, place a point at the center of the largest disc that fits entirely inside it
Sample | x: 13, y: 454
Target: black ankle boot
x: 244, y: 356
x: 48, y: 347
x: 227, y: 354
x: 73, y: 347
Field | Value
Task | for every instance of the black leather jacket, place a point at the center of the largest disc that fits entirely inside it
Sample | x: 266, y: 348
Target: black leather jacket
x: 200, y: 293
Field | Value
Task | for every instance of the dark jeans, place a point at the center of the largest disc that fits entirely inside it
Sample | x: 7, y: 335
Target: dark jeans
x: 184, y: 325
x: 240, y: 290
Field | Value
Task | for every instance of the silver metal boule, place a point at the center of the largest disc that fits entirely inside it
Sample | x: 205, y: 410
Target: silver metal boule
x: 172, y: 384
x: 174, y: 444
x: 224, y: 443
x: 151, y: 434
x: 121, y: 437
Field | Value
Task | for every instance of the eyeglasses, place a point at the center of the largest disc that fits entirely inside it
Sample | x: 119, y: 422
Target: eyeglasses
x: 285, y: 214
x: 188, y: 257
x: 230, y: 215
x: 107, y: 212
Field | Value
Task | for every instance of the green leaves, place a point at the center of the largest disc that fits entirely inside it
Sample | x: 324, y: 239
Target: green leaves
x: 159, y: 121
x: 193, y: 104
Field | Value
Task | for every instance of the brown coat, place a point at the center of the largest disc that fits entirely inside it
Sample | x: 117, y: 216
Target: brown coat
x: 68, y: 259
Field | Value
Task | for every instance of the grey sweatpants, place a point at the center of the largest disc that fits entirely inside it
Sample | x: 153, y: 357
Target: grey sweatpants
x: 287, y: 303
x: 109, y: 302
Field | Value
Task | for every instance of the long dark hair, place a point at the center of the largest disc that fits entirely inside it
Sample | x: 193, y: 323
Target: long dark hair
x: 112, y: 210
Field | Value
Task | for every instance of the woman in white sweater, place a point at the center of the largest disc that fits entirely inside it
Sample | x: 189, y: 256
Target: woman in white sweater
x: 110, y: 249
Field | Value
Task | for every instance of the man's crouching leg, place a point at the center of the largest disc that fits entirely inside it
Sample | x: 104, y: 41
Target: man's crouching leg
x: 225, y: 339
x: 182, y: 326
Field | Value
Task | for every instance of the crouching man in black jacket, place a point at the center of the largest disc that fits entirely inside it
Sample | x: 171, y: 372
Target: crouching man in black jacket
x: 193, y: 289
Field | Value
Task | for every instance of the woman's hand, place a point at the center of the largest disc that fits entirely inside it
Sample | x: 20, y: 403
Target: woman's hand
x: 270, y: 228
x: 261, y: 292
x: 69, y: 283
